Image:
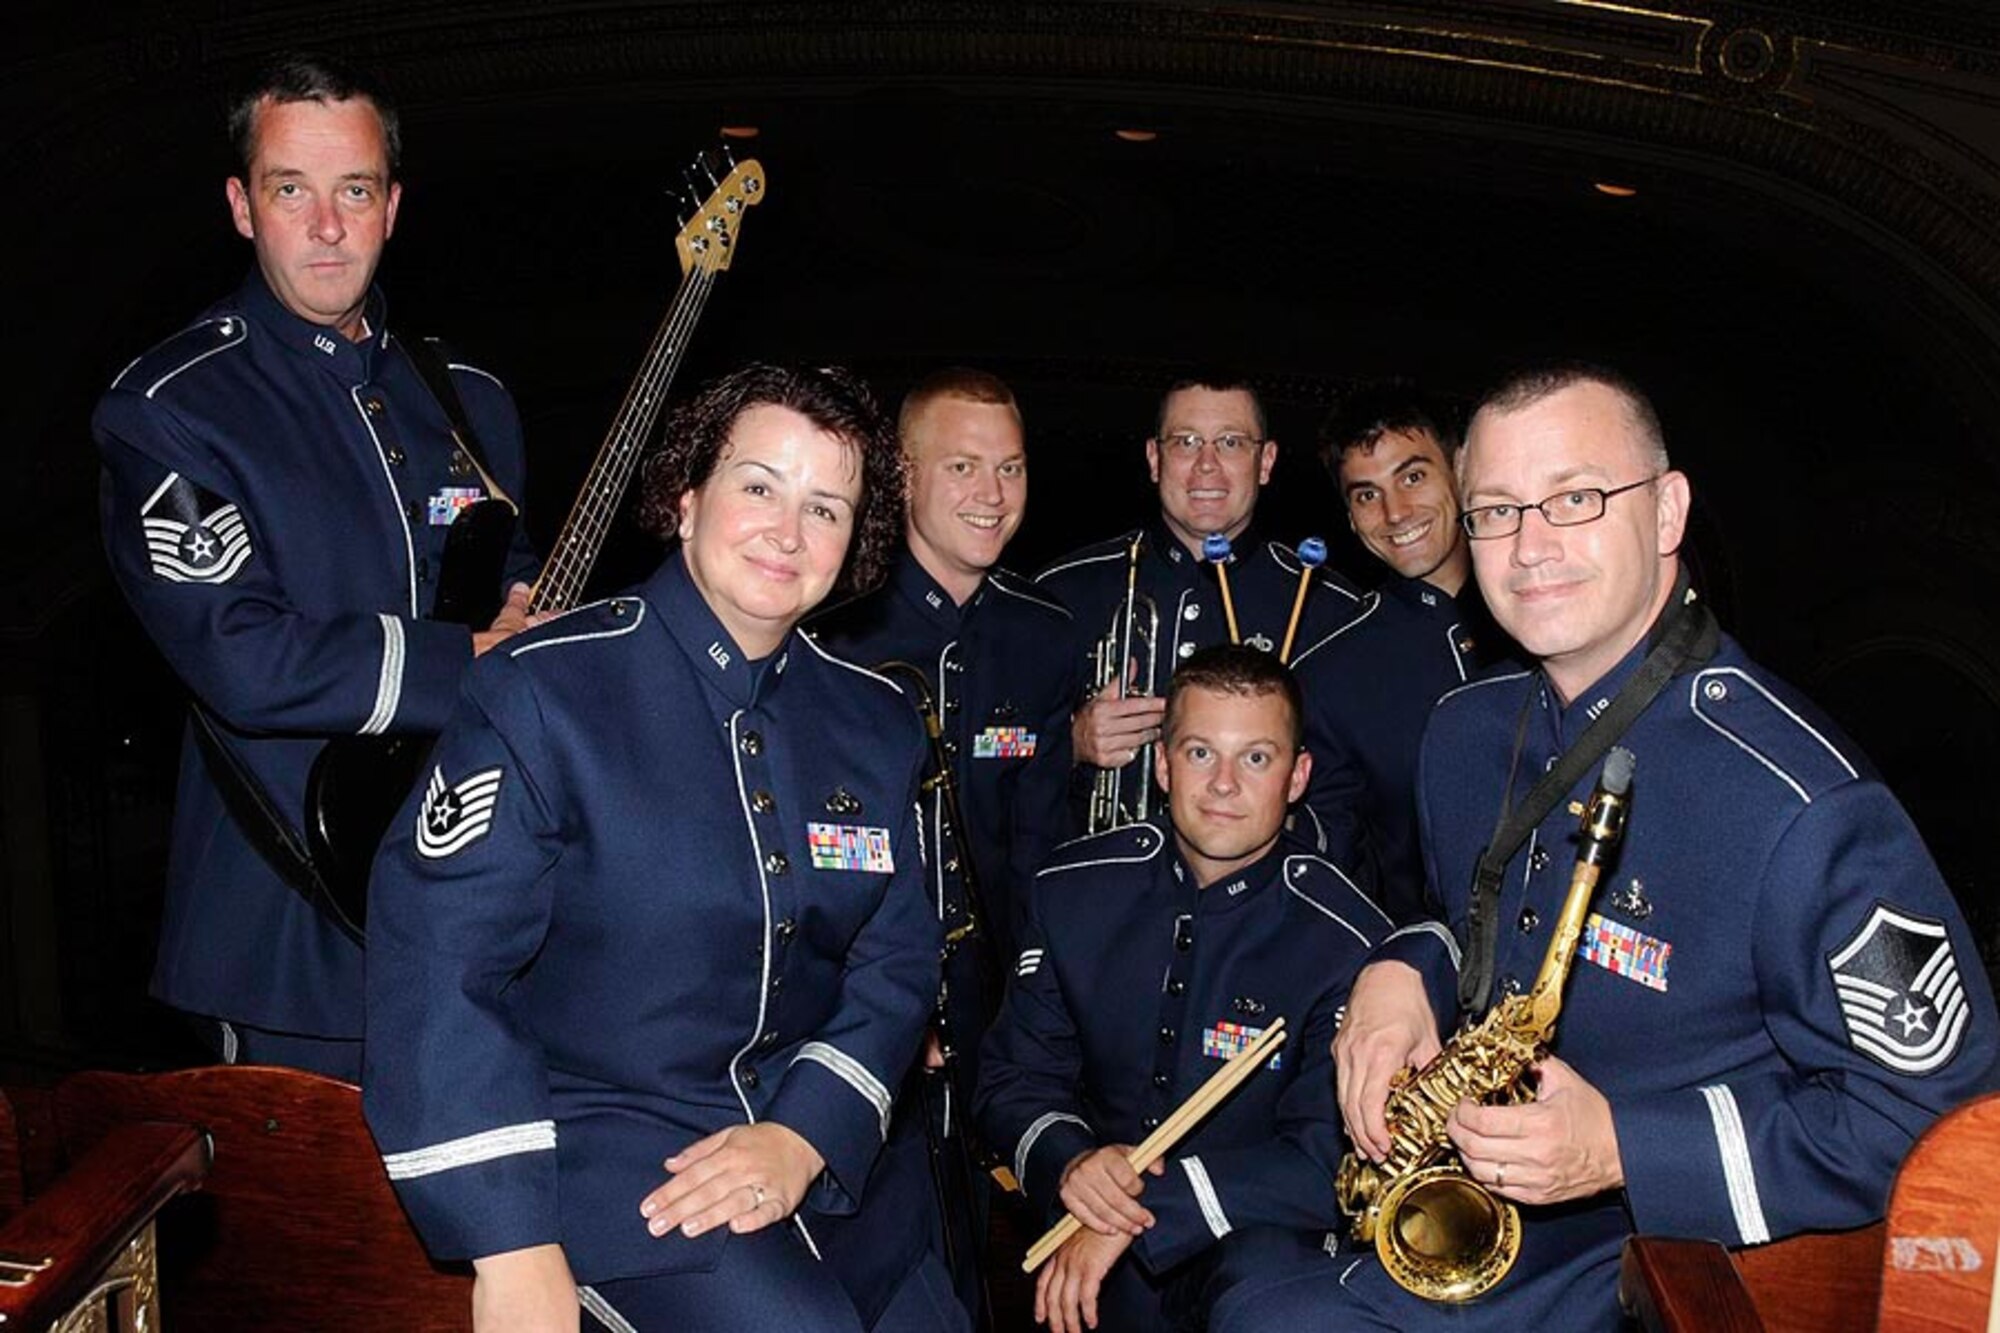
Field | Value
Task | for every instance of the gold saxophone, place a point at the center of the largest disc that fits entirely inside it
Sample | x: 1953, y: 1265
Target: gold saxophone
x: 1439, y: 1233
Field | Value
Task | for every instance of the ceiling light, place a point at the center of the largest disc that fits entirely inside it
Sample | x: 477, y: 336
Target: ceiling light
x: 739, y: 131
x: 1615, y: 191
x: 1137, y: 136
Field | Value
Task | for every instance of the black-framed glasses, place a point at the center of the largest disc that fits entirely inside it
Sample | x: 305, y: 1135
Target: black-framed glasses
x: 1564, y: 509
x: 1229, y: 444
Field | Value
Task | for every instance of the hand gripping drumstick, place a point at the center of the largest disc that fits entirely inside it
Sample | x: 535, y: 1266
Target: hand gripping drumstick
x: 1173, y: 1129
x: 1215, y: 550
x: 1312, y: 554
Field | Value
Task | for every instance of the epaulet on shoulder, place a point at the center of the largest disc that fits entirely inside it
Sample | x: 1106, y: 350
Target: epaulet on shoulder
x: 1109, y: 549
x: 814, y: 645
x: 1007, y: 581
x: 1128, y: 845
x: 593, y: 622
x: 1769, y: 730
x: 1480, y: 683
x: 1313, y: 876
x: 152, y: 370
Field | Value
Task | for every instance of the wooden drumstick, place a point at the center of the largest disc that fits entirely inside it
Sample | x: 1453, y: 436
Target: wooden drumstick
x: 1215, y: 550
x: 1312, y: 554
x: 1173, y: 1129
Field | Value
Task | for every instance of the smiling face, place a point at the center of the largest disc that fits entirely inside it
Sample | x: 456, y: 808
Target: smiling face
x: 968, y: 488
x: 1202, y: 491
x: 765, y: 535
x: 318, y: 205
x: 1579, y: 597
x: 1402, y: 502
x: 1230, y: 766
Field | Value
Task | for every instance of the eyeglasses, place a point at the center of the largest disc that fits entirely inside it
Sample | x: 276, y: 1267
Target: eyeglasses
x: 1230, y: 444
x: 1564, y: 509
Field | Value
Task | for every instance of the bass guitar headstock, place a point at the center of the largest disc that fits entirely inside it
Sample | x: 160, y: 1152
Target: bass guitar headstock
x: 707, y: 238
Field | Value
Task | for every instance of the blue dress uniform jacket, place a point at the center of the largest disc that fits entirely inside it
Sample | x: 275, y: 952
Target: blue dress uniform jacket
x: 275, y: 504
x: 1369, y: 688
x: 653, y: 890
x: 1775, y: 990
x: 1132, y: 985
x: 1186, y: 591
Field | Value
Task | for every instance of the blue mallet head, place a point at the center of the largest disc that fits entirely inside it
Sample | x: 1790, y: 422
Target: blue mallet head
x: 1312, y: 553
x: 1215, y: 547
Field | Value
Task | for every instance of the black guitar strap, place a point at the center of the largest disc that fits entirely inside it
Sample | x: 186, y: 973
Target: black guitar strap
x: 257, y: 815
x: 427, y: 355
x: 1689, y: 637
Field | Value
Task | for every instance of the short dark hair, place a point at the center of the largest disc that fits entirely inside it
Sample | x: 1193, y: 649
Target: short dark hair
x: 1215, y: 381
x: 974, y: 386
x: 834, y: 399
x: 1233, y: 668
x: 305, y: 76
x: 1389, y: 407
x: 1528, y: 385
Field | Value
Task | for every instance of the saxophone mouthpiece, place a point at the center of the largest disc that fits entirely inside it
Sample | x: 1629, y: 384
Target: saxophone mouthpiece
x: 1617, y: 779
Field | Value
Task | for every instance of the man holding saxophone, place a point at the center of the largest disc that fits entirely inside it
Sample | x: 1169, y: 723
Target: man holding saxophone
x: 1773, y: 992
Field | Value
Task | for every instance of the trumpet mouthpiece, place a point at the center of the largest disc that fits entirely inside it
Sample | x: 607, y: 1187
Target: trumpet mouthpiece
x: 1312, y: 553
x: 1215, y: 548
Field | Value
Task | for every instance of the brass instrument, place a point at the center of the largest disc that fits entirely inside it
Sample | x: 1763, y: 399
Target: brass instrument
x: 1439, y: 1233
x: 1134, y: 629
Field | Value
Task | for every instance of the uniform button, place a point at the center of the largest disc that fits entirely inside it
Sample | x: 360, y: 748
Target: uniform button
x: 1159, y: 1080
x: 460, y: 465
x: 1193, y: 611
x: 414, y: 511
x: 752, y: 744
x: 374, y: 406
x: 778, y: 982
x: 951, y: 866
x: 1176, y: 986
x: 1715, y: 691
x: 423, y: 569
x: 954, y: 666
x: 1186, y: 650
x: 769, y: 1039
x: 787, y: 928
x: 951, y: 705
x: 763, y: 802
x: 1529, y: 920
x: 1539, y: 861
x: 750, y: 1079
x: 777, y: 863
x: 394, y: 453
x: 1166, y: 1036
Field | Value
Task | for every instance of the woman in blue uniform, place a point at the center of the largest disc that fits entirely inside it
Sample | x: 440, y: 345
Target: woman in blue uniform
x: 650, y: 951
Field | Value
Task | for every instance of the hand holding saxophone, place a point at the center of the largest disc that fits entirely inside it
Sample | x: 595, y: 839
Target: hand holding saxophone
x: 1563, y: 1145
x: 1112, y: 728
x: 1389, y: 1029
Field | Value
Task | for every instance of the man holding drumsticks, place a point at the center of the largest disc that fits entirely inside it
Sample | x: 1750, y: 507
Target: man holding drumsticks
x: 1151, y: 953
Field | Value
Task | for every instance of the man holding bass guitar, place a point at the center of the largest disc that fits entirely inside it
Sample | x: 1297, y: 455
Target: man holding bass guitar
x: 279, y: 480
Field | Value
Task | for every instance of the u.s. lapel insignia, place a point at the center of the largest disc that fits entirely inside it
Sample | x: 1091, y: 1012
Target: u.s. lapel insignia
x: 1899, y: 991
x: 843, y: 802
x: 850, y: 847
x: 1632, y: 900
x: 193, y: 535
x: 456, y: 815
x: 1625, y: 952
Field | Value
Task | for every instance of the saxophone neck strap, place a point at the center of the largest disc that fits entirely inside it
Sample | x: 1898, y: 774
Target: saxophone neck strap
x: 1689, y: 637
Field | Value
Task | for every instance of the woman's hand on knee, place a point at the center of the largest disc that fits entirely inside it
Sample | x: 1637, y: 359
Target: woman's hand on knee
x: 746, y: 1176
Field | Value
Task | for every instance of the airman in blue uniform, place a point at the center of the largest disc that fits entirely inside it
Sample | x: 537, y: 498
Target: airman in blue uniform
x: 278, y: 483
x: 663, y: 900
x: 1775, y: 991
x: 1210, y: 455
x: 1155, y: 951
x: 1370, y: 685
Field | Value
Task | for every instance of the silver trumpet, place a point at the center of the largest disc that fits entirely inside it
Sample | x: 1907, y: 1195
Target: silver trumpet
x: 1134, y: 630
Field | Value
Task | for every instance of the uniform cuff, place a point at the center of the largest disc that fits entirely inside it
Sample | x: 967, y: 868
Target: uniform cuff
x: 1187, y: 1212
x: 488, y: 1207
x: 836, y: 1104
x: 1688, y: 1170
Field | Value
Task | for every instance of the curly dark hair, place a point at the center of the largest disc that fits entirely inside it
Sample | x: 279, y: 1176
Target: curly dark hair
x: 831, y: 397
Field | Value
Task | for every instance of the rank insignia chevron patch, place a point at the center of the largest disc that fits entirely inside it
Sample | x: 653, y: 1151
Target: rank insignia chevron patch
x: 193, y: 536
x: 454, y: 817
x: 1899, y: 991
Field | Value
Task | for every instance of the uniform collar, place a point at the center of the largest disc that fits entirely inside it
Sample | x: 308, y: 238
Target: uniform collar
x: 914, y: 584
x: 1422, y: 596
x: 349, y: 362
x: 1166, y: 547
x: 1240, y: 887
x: 717, y: 660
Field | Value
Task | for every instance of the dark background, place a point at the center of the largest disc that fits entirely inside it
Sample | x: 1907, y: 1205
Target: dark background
x: 1807, y: 279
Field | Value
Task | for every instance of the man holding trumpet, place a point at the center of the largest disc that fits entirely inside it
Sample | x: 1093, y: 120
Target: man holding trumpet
x: 1152, y: 953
